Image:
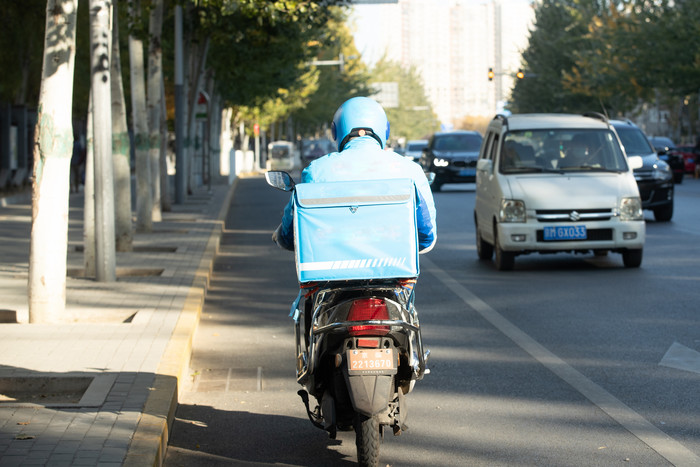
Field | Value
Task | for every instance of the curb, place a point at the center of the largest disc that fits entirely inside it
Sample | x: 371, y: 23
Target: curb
x: 150, y: 440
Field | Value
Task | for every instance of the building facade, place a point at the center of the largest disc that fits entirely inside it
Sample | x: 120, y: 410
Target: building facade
x: 453, y: 43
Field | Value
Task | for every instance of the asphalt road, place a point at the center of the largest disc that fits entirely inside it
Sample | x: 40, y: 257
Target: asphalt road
x: 564, y: 361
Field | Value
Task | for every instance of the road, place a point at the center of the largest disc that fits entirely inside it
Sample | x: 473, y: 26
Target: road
x: 564, y: 361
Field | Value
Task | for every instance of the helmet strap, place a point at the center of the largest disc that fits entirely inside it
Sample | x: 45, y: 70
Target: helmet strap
x: 356, y: 132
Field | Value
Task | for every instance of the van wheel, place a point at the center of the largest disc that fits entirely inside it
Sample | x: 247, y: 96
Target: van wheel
x: 632, y: 258
x: 483, y: 248
x: 505, y: 260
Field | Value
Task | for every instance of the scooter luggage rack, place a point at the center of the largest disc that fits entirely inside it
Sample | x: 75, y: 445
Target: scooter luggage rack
x: 306, y: 363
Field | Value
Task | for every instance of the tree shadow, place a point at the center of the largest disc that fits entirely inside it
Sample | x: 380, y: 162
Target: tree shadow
x: 203, y: 435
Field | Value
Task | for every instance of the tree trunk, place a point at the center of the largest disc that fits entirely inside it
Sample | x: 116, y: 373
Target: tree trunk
x: 100, y: 47
x: 155, y: 79
x: 89, y: 201
x: 165, y: 194
x: 51, y: 173
x: 144, y: 222
x: 120, y: 148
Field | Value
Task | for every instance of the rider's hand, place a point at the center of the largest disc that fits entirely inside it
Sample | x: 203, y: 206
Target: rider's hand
x: 276, y: 234
x: 278, y: 239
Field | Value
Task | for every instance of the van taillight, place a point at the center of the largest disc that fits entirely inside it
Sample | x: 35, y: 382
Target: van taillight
x: 365, y: 309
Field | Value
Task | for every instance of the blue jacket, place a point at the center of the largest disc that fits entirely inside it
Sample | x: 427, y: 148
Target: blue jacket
x: 363, y: 159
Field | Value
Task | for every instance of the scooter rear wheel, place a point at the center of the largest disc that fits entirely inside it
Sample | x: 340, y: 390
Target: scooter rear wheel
x: 368, y: 439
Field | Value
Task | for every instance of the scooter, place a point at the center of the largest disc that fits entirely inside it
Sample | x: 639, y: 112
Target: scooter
x: 359, y: 352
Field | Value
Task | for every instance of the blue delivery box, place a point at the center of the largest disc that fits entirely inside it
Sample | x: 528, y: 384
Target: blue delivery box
x: 355, y: 230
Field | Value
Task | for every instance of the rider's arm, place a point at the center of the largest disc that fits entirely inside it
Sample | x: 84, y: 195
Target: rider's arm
x: 284, y: 235
x: 427, y: 231
x: 425, y: 213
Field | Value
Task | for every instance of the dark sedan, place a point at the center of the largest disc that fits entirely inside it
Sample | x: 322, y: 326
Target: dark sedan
x: 654, y: 178
x: 452, y: 156
x: 665, y: 148
x: 690, y: 155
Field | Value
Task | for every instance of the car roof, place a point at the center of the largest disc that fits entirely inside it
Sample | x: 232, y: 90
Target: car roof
x: 457, y: 132
x: 664, y: 139
x: 417, y: 141
x: 551, y: 121
x: 617, y: 123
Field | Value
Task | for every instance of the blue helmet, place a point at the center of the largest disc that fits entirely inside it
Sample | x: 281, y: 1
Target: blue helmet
x: 359, y: 113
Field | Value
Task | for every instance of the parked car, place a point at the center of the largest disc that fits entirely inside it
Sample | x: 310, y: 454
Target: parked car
x: 654, y: 178
x: 665, y: 149
x: 690, y: 156
x: 549, y: 183
x: 414, y: 149
x: 451, y: 156
x: 312, y: 149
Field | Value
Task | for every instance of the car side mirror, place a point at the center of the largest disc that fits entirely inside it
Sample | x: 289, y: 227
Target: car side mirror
x: 484, y: 164
x: 635, y: 162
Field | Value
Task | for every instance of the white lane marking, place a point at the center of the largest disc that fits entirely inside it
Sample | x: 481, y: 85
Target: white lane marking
x: 681, y: 357
x: 664, y: 445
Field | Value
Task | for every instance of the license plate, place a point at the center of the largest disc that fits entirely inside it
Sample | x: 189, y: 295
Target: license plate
x: 467, y: 173
x: 568, y: 232
x: 371, y: 361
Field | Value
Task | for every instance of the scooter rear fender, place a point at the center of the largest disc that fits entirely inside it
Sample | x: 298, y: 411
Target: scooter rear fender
x: 370, y: 394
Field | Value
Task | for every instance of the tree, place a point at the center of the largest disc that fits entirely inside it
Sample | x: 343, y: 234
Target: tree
x: 52, y: 153
x: 22, y: 24
x: 331, y: 85
x: 613, y: 75
x: 414, y: 117
x: 100, y: 47
x: 154, y: 104
x: 144, y: 221
x: 559, y: 31
x: 120, y: 146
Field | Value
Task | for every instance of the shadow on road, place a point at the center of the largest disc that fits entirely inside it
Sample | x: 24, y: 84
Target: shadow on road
x: 197, y: 432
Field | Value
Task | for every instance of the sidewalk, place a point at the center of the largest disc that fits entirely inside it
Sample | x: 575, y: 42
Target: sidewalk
x: 101, y: 388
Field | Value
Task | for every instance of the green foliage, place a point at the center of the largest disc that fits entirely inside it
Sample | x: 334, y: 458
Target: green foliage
x: 594, y: 54
x: 414, y: 117
x: 22, y: 25
x: 333, y: 86
x: 559, y: 30
x: 258, y: 46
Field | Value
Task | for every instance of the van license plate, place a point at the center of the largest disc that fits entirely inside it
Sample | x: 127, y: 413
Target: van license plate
x: 568, y: 232
x: 371, y: 361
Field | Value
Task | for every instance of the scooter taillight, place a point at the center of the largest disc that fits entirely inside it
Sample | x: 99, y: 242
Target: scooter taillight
x: 366, y: 309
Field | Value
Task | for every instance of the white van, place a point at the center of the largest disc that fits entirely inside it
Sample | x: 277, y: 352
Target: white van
x: 281, y: 155
x: 550, y: 183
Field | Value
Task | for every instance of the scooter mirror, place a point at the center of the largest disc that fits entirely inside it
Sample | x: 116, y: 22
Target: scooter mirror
x: 280, y: 180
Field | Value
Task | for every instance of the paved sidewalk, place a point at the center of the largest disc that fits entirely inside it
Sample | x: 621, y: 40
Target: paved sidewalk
x: 100, y: 388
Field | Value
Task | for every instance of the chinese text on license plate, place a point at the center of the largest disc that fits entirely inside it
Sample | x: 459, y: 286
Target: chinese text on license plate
x: 569, y: 232
x: 371, y: 361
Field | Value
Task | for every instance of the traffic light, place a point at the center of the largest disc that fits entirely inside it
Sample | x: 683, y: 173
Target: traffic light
x: 490, y: 74
x: 520, y: 74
